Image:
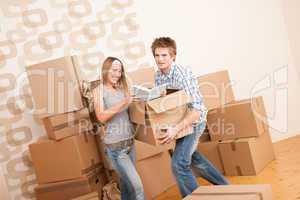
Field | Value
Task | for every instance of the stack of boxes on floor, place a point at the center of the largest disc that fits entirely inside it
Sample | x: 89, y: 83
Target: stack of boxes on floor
x: 237, y: 140
x: 67, y: 163
x: 71, y: 162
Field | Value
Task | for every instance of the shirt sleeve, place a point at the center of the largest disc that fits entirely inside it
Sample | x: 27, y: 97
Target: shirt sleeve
x: 190, y: 86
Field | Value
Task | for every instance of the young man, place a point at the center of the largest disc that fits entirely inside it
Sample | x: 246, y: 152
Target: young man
x: 185, y: 154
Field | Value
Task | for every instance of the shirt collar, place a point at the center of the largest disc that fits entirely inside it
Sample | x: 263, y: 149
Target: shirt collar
x: 169, y: 75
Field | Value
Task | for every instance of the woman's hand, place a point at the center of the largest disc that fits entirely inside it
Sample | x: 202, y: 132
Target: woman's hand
x: 128, y: 99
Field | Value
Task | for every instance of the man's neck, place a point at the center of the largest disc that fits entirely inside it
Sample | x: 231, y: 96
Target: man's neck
x: 166, y: 71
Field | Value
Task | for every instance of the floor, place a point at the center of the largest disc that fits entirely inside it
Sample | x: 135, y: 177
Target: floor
x: 283, y: 174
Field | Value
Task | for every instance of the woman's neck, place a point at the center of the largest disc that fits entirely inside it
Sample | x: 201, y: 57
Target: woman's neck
x: 110, y: 86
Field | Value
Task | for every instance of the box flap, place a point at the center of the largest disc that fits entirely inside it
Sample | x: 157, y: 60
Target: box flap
x: 264, y: 191
x: 216, y: 89
x: 144, y: 150
x: 170, y: 101
x: 142, y: 76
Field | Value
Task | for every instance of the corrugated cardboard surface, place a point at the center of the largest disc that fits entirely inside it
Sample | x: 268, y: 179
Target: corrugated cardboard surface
x: 73, y: 188
x: 211, y: 151
x: 142, y: 76
x: 67, y: 124
x: 55, y: 86
x: 158, y: 115
x: 232, y: 192
x: 216, y: 89
x: 156, y: 174
x: 64, y: 160
x: 236, y: 120
x: 247, y: 156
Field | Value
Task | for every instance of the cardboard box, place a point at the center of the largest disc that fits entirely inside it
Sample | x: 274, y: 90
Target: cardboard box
x: 216, y: 89
x: 90, y: 196
x: 238, y: 120
x: 65, y: 159
x: 143, y: 151
x: 66, y: 190
x: 159, y: 114
x: 211, y: 151
x: 143, y: 77
x: 232, y: 192
x: 55, y: 86
x: 246, y: 156
x: 156, y: 174
x: 67, y: 124
x: 146, y: 134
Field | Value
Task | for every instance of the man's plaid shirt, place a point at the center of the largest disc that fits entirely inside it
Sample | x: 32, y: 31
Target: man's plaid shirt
x: 183, y: 79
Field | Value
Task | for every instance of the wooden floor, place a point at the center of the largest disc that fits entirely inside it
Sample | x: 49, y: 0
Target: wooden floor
x: 283, y: 173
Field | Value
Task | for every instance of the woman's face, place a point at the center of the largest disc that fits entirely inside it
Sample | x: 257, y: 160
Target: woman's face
x: 114, y: 73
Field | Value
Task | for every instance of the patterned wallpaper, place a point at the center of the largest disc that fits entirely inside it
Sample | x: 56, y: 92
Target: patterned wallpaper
x: 33, y: 31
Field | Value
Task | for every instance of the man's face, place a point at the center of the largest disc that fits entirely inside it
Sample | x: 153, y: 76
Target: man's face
x: 163, y: 59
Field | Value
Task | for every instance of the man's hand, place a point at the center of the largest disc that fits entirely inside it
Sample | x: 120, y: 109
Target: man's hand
x: 169, y: 135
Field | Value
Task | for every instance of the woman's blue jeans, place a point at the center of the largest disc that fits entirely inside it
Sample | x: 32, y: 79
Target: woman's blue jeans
x: 123, y: 161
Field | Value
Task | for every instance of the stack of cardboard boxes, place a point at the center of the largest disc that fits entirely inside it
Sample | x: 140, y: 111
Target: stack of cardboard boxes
x: 71, y: 163
x: 237, y: 140
x: 67, y: 164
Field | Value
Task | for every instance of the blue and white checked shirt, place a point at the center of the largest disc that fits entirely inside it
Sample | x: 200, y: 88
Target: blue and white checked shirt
x: 183, y: 79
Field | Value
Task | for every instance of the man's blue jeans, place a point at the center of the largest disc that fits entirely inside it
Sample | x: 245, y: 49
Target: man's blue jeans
x: 123, y: 161
x: 186, y: 157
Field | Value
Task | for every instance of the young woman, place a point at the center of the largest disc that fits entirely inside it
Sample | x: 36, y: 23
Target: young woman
x: 111, y: 100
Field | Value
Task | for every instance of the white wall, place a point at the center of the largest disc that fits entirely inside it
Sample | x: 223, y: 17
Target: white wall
x: 246, y: 37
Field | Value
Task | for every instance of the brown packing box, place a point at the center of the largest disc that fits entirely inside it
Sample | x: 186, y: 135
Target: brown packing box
x: 232, y: 192
x: 156, y: 174
x: 216, y: 89
x: 143, y: 77
x: 246, y: 156
x: 237, y: 120
x: 154, y: 167
x: 67, y: 124
x: 66, y: 190
x: 145, y: 133
x: 55, y: 86
x: 90, y: 196
x: 159, y: 114
x: 143, y: 151
x: 65, y: 159
x: 211, y: 151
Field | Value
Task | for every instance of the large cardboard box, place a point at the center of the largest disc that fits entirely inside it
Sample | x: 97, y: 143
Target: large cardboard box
x: 216, y: 89
x: 67, y: 124
x: 156, y: 174
x: 65, y: 159
x: 66, y: 190
x: 211, y: 151
x: 142, y: 76
x: 246, y: 156
x: 160, y: 114
x: 55, y: 86
x: 240, y: 119
x: 232, y: 192
x: 143, y: 151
